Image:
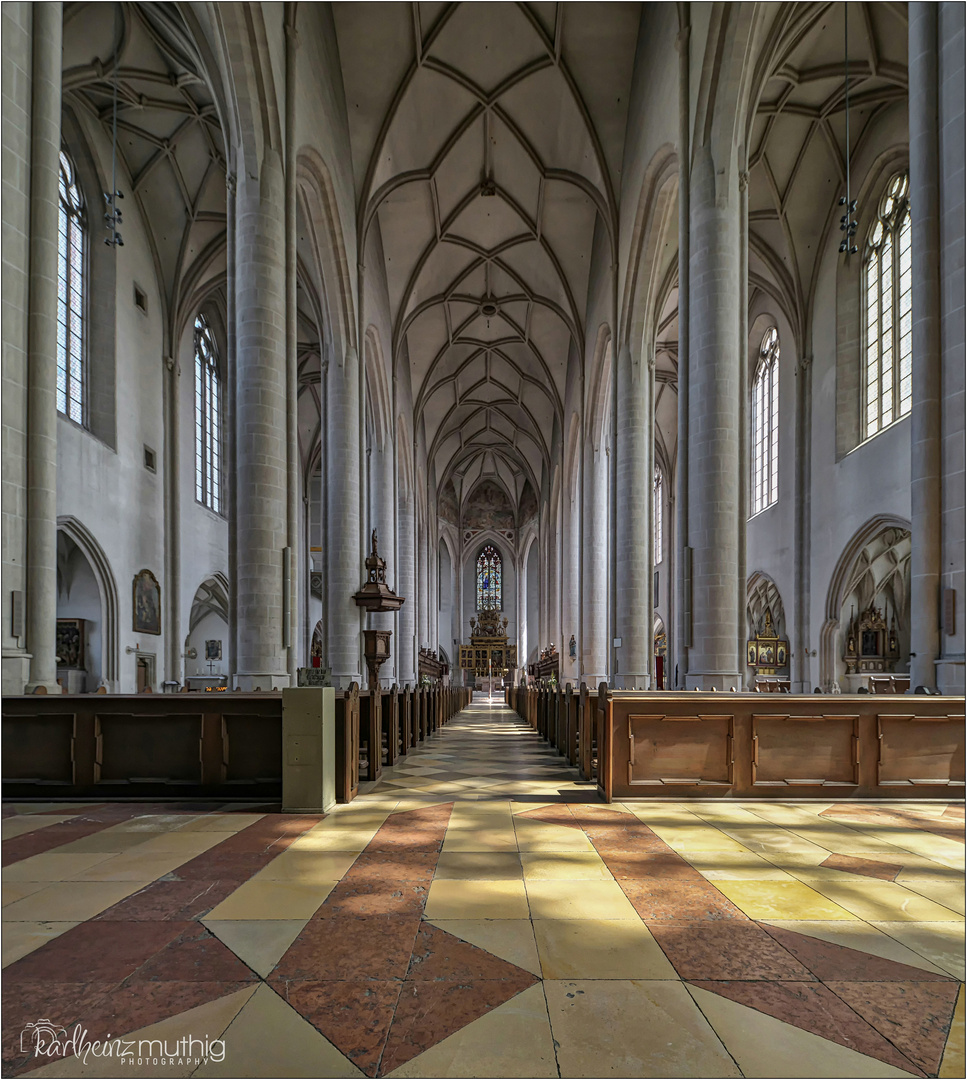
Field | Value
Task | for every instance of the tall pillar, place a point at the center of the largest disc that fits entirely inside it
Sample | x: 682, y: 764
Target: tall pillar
x: 926, y: 415
x: 745, y: 458
x: 405, y: 587
x: 342, y: 540
x: 635, y: 525
x: 595, y: 605
x: 714, y: 374
x: 422, y: 591
x: 260, y: 425
x: 293, y: 486
x: 572, y: 586
x: 41, y: 622
x: 384, y: 521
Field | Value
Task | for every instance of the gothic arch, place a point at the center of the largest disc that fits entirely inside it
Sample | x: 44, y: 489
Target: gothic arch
x: 79, y: 533
x: 839, y: 588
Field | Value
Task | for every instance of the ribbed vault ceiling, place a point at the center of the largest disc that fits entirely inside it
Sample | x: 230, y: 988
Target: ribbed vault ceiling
x: 487, y: 140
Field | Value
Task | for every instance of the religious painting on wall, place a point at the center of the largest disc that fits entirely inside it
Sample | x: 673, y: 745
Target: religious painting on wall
x: 753, y: 653
x: 147, y: 603
x: 213, y: 649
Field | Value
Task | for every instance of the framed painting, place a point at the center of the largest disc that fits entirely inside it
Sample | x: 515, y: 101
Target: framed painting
x: 782, y: 654
x: 147, y: 603
x: 753, y: 653
x: 213, y: 649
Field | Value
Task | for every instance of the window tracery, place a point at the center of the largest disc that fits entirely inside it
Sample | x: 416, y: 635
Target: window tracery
x: 765, y: 424
x: 71, y: 243
x: 659, y: 520
x: 887, y: 302
x: 208, y: 489
x: 489, y: 567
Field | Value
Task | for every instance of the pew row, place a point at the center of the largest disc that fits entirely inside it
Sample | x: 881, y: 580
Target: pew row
x: 708, y: 745
x: 212, y: 745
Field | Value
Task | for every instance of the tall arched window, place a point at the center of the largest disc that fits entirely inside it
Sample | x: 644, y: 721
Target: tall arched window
x: 70, y: 295
x: 488, y: 579
x: 208, y: 418
x: 659, y: 522
x: 765, y: 424
x: 888, y: 286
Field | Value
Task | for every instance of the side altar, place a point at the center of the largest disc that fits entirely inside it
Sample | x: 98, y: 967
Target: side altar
x: 488, y: 652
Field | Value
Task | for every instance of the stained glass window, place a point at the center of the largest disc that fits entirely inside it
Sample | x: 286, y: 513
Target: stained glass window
x: 659, y: 523
x: 765, y: 424
x: 208, y: 404
x: 888, y: 325
x: 488, y: 579
x: 70, y: 295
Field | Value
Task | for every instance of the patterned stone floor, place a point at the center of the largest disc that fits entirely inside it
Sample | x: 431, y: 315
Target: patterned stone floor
x: 479, y: 913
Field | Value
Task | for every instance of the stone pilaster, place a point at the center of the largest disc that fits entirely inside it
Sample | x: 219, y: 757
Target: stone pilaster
x: 926, y: 415
x: 595, y: 602
x: 634, y: 571
x: 406, y: 581
x: 714, y: 375
x: 41, y: 607
x: 260, y: 425
x: 341, y: 541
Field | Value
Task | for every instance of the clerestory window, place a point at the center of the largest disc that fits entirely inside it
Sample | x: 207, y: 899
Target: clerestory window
x: 489, y: 567
x: 208, y: 418
x: 71, y: 244
x: 764, y: 425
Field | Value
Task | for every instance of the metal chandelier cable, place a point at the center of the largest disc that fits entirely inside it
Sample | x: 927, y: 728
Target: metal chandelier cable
x: 113, y: 215
x: 847, y: 224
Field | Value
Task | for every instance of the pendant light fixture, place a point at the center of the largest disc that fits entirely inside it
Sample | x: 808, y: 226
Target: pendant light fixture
x: 112, y: 217
x: 847, y: 223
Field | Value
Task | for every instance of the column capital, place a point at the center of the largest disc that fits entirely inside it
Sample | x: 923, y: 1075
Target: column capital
x: 804, y: 364
x: 743, y: 179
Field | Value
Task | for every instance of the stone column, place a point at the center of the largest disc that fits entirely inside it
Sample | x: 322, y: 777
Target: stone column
x: 41, y: 622
x: 634, y: 517
x: 341, y: 541
x: 926, y: 414
x: 572, y: 584
x: 405, y: 587
x: 745, y: 458
x: 260, y: 425
x: 293, y: 490
x: 682, y: 593
x: 422, y: 592
x: 595, y: 606
x: 384, y: 521
x: 714, y: 375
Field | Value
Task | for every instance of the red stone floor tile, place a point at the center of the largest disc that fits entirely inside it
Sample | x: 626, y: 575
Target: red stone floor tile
x: 96, y: 952
x: 196, y: 955
x: 217, y: 865
x: 678, y: 901
x: 439, y: 956
x: 730, y: 949
x: 645, y: 865
x: 914, y: 1016
x: 406, y: 840
x: 429, y: 1012
x: 870, y: 868
x: 387, y: 897
x: 178, y: 900
x: 616, y: 839
x: 813, y: 1007
x: 560, y: 814
x: 396, y: 866
x: 828, y: 961
x: 350, y: 947
x: 354, y: 1015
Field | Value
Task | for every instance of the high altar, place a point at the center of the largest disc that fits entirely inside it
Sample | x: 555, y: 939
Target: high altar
x: 488, y: 652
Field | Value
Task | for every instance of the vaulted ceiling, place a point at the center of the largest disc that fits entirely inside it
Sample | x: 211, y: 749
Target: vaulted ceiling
x: 487, y: 144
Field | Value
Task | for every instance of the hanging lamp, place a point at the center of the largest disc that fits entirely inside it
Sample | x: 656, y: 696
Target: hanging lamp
x: 112, y: 217
x: 847, y: 223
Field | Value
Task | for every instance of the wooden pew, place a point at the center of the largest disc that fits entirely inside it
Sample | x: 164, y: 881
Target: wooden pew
x: 391, y: 723
x: 406, y: 719
x: 347, y: 744
x: 371, y: 732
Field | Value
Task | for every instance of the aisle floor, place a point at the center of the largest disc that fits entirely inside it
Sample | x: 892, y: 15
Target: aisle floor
x: 479, y: 912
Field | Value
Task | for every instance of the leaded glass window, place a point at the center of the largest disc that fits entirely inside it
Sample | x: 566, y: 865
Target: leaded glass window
x: 659, y: 522
x: 70, y: 295
x: 208, y: 418
x: 765, y: 424
x: 887, y: 302
x: 488, y: 579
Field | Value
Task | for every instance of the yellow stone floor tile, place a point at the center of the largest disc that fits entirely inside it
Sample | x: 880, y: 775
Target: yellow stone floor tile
x: 206, y: 1022
x: 539, y: 836
x: 348, y: 839
x: 781, y: 900
x: 480, y: 840
x: 21, y: 938
x: 950, y: 894
x: 70, y: 901
x: 264, y: 1026
x: 549, y: 899
x: 953, y: 1064
x: 18, y: 826
x: 632, y: 1028
x: 52, y: 866
x: 308, y: 867
x: 735, y: 866
x: 940, y: 943
x: 599, y: 949
x: 569, y: 865
x: 512, y: 1040
x: 510, y: 939
x: 226, y: 823
x: 17, y: 890
x: 187, y: 843
x: 134, y: 866
x: 685, y: 838
x: 479, y: 865
x: 862, y: 936
x: 763, y: 1046
x: 260, y: 943
x: 113, y: 841
x: 449, y: 899
x: 286, y: 900
x: 883, y: 901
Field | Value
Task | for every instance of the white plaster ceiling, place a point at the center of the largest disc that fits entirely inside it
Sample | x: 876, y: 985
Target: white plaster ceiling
x: 487, y: 139
x: 797, y: 150
x: 170, y: 145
